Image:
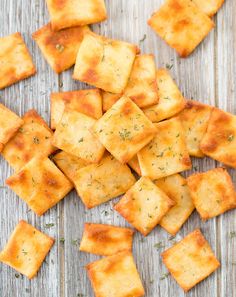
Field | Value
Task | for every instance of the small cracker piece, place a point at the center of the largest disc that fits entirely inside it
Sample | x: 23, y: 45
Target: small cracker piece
x: 167, y: 153
x: 191, y: 260
x: 181, y: 24
x: 40, y: 184
x: 171, y: 101
x: 88, y: 102
x: 99, y: 183
x: 209, y: 7
x: 109, y: 99
x: 33, y: 139
x: 9, y: 124
x: 104, y: 63
x: 26, y: 249
x: 115, y: 276
x: 106, y: 240
x: 176, y: 188
x: 212, y: 192
x: 124, y: 129
x: 219, y: 142
x: 144, y: 205
x: 195, y: 118
x: 72, y: 135
x: 134, y: 164
x: 60, y: 48
x: 71, y: 13
x: 15, y: 60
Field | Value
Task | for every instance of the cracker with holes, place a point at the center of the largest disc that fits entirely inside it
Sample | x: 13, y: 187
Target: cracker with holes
x: 124, y: 130
x: 71, y: 13
x: 181, y: 24
x: 15, y: 60
x: 88, y: 102
x: 212, y: 192
x: 26, y: 249
x: 115, y: 276
x: 60, y: 48
x: 176, y: 188
x: 106, y: 240
x: 144, y: 205
x: 134, y: 164
x: 191, y: 260
x: 209, y: 7
x: 195, y: 118
x: 219, y: 141
x: 104, y: 63
x: 73, y: 136
x: 40, y: 184
x: 9, y: 125
x: 167, y: 153
x: 99, y: 183
x: 171, y: 101
x: 109, y: 99
x: 32, y: 139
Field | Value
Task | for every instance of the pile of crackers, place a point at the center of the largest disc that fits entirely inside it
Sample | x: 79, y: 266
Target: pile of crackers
x: 130, y: 135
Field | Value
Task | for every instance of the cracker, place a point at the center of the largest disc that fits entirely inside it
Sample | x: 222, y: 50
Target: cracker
x: 40, y: 184
x: 69, y: 164
x: 134, y: 164
x: 88, y: 102
x: 106, y: 240
x: 115, y: 276
x: 144, y: 205
x: 15, y: 60
x: 124, y: 130
x: 99, y: 183
x: 181, y: 24
x: 60, y: 48
x: 171, y: 100
x: 209, y: 7
x: 109, y: 99
x: 191, y: 260
x: 195, y: 118
x: 26, y: 249
x: 9, y: 125
x: 71, y: 13
x: 219, y: 142
x: 212, y: 192
x: 176, y: 188
x: 104, y: 63
x: 167, y: 153
x: 72, y: 135
x: 33, y: 139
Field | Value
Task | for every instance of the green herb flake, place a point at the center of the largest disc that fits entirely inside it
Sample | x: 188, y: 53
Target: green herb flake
x: 62, y: 240
x: 81, y: 139
x: 36, y: 140
x: 164, y: 276
x: 232, y: 234
x: 169, y: 67
x: 17, y: 275
x: 125, y: 134
x: 159, y: 245
x: 60, y: 48
x: 230, y: 137
x: 143, y: 39
x: 49, y: 225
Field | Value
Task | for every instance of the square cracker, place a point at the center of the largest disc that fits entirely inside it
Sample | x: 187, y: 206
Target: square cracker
x: 181, y: 24
x: 134, y: 164
x: 167, y: 153
x: 144, y: 205
x: 195, y: 118
x: 71, y: 13
x: 60, y: 48
x: 15, y: 60
x: 104, y: 63
x: 106, y: 240
x: 212, y: 192
x: 219, y: 141
x: 40, y: 184
x: 124, y: 129
x: 171, y: 100
x: 176, y: 188
x: 115, y: 276
x: 9, y: 124
x: 72, y: 135
x: 88, y: 102
x: 32, y: 139
x: 191, y: 260
x: 99, y: 183
x: 209, y: 7
x: 26, y: 249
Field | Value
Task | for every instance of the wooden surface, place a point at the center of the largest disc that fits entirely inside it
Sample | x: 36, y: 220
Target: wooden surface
x: 208, y: 76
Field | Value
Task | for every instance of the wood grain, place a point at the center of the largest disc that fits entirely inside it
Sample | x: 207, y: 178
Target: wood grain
x: 207, y: 75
